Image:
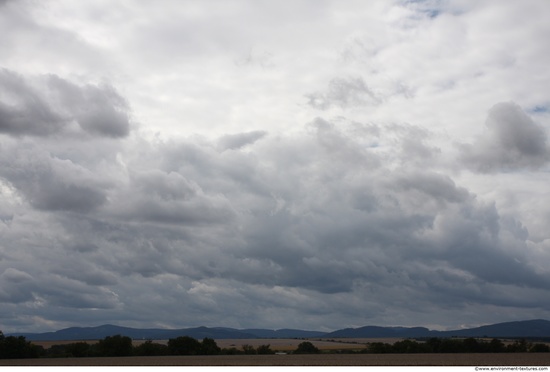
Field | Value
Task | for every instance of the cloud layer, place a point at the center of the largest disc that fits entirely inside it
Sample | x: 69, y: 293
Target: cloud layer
x: 309, y: 177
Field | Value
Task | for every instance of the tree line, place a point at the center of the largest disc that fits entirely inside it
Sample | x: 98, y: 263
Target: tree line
x: 12, y: 347
x: 449, y: 345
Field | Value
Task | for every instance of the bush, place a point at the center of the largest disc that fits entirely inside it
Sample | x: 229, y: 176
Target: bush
x: 231, y: 351
x: 148, y: 348
x: 248, y: 349
x: 115, y: 346
x: 306, y: 348
x: 184, y: 345
x: 12, y: 347
x: 78, y: 349
x: 264, y: 349
x: 379, y: 348
x: 539, y: 348
x: 209, y: 347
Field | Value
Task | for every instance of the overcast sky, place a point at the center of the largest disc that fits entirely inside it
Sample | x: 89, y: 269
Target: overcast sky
x: 312, y: 164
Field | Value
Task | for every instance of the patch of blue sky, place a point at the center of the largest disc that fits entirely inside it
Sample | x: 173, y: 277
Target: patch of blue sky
x: 539, y: 109
x: 431, y: 8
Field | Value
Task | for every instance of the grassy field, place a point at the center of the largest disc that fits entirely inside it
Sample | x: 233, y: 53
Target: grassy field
x: 515, y: 359
x: 276, y: 344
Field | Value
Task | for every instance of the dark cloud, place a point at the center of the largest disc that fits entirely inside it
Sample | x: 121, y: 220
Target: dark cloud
x: 512, y: 141
x: 29, y: 107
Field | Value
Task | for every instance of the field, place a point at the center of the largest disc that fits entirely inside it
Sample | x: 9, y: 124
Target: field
x: 276, y: 344
x: 516, y: 359
x: 287, y: 345
x: 290, y: 344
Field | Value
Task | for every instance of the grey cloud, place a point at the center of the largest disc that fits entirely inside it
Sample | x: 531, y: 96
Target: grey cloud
x: 51, y: 195
x: 471, y: 238
x: 344, y: 93
x: 28, y: 107
x: 51, y: 183
x: 16, y: 286
x: 86, y: 273
x: 512, y: 141
x: 77, y: 295
x: 338, y: 146
x: 23, y: 111
x: 315, y: 219
x: 84, y: 247
x: 156, y: 196
x: 236, y: 141
x: 434, y: 186
x: 15, y: 276
x: 99, y: 110
x: 168, y: 186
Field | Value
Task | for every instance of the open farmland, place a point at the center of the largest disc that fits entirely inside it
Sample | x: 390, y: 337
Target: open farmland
x: 276, y: 344
x: 290, y: 344
x: 515, y: 359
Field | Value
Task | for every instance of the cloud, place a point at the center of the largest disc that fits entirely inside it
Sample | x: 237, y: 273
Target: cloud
x: 50, y: 183
x: 265, y: 235
x: 49, y: 105
x: 267, y: 191
x: 512, y: 141
x: 236, y: 141
x: 15, y: 276
x: 99, y: 110
x: 28, y: 112
x: 344, y: 93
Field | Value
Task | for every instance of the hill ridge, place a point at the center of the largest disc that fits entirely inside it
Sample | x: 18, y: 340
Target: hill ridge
x: 522, y: 328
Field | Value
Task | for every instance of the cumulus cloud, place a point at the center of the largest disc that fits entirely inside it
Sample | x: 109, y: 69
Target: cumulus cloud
x: 512, y: 141
x: 99, y: 110
x: 23, y: 110
x: 186, y: 221
x: 49, y: 105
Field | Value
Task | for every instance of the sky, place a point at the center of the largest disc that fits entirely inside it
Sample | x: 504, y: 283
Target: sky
x: 311, y: 164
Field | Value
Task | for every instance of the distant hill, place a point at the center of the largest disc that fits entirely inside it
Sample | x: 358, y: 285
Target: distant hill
x: 94, y: 333
x: 525, y: 328
x: 284, y: 333
x: 528, y: 328
x: 380, y: 332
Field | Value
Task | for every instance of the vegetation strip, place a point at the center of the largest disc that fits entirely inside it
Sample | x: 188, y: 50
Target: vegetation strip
x: 12, y: 347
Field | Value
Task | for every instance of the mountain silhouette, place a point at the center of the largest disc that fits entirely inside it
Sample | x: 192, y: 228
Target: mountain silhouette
x: 537, y: 328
